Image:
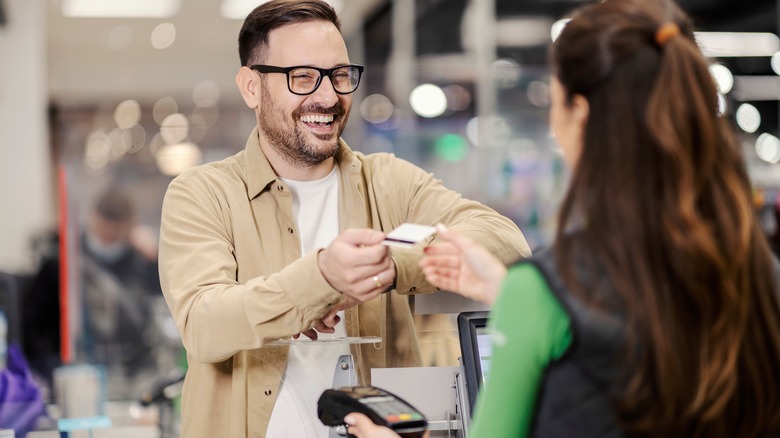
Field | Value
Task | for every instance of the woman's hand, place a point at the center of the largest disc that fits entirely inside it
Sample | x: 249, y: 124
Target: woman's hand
x: 362, y: 427
x: 460, y: 265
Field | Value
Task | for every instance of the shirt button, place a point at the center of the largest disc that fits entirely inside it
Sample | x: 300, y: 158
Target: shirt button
x: 290, y: 230
x: 280, y: 187
x: 267, y: 392
x: 413, y: 288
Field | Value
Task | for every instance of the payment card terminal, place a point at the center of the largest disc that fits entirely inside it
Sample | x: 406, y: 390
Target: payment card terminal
x: 382, y: 407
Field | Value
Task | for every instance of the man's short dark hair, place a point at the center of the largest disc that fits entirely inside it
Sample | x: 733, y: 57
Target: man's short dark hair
x: 253, y: 37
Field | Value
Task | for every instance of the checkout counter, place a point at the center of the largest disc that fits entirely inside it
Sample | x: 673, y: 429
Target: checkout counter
x: 444, y: 395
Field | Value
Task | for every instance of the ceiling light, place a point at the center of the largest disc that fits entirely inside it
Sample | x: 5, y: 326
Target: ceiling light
x: 724, y: 79
x: 239, y: 9
x: 748, y: 118
x: 768, y: 148
x: 428, y: 100
x: 120, y: 8
x: 557, y: 27
x: 728, y: 44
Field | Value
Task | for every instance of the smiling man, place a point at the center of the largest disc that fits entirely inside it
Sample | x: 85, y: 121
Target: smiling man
x: 284, y: 238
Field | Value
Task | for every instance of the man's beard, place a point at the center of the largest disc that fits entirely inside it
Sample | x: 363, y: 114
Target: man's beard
x: 286, y: 137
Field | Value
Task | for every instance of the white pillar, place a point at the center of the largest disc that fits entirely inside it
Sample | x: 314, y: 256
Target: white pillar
x: 401, y: 74
x: 26, y: 180
x: 484, y: 53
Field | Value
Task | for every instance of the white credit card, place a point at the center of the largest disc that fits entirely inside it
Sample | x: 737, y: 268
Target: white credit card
x: 407, y: 235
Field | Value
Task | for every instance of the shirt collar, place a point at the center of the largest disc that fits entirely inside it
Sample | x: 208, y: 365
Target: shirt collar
x: 260, y: 175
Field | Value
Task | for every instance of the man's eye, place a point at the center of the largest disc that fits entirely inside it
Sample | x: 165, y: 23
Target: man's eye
x: 302, y: 76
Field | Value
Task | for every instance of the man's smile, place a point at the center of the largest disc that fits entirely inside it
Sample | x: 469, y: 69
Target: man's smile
x: 319, y: 124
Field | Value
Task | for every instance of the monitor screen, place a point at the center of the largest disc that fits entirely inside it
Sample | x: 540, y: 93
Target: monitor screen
x: 476, y: 352
x: 485, y: 354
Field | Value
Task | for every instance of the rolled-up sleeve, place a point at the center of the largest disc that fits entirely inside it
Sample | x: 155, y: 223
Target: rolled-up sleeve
x: 419, y: 197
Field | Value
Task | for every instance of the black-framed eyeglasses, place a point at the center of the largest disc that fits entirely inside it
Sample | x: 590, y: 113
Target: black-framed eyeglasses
x: 303, y: 80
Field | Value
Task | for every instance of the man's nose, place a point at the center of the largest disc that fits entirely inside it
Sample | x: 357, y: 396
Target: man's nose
x: 325, y: 94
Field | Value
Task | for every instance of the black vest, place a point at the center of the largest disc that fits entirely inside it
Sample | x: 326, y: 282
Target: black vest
x: 574, y: 398
x: 575, y: 395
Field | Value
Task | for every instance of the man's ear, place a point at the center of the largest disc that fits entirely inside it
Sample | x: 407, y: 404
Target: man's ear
x: 249, y: 86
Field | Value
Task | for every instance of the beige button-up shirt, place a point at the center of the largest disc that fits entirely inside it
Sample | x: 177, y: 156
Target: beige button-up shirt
x: 234, y: 278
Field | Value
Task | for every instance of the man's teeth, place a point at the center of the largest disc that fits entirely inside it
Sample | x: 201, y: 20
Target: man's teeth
x: 317, y: 118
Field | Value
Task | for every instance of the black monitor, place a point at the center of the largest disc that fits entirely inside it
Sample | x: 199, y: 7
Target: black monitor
x: 476, y: 352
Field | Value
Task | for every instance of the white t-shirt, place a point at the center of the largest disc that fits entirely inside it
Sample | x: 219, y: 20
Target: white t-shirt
x: 310, y: 367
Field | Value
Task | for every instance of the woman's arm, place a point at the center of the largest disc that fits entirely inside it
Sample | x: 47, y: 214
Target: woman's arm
x: 529, y: 329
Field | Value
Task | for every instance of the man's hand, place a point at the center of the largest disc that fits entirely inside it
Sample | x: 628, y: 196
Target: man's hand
x: 328, y: 322
x: 357, y: 264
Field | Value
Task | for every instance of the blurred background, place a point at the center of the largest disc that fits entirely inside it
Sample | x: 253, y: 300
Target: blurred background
x: 113, y: 98
x: 457, y: 86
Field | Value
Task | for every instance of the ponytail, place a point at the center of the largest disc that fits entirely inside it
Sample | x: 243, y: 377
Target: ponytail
x: 666, y: 203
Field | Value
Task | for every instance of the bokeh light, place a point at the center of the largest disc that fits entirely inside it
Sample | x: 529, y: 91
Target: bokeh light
x: 174, y: 128
x: 768, y: 148
x: 458, y: 97
x: 97, y: 151
x: 557, y: 28
x: 723, y: 77
x: 163, y: 35
x: 451, y: 147
x: 173, y: 159
x: 538, y: 93
x: 488, y: 131
x: 428, y: 100
x: 376, y: 108
x: 127, y: 114
x: 748, y: 118
x: 775, y: 63
x: 505, y: 72
x: 118, y: 144
x: 134, y: 138
x: 164, y: 108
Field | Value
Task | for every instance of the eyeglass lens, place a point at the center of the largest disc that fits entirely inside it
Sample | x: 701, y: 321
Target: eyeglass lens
x: 305, y: 80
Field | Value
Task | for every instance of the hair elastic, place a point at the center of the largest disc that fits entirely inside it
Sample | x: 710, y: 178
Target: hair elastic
x: 666, y: 32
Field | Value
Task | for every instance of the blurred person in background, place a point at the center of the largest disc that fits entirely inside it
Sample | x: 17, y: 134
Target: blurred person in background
x: 655, y: 312
x: 285, y: 238
x: 118, y: 281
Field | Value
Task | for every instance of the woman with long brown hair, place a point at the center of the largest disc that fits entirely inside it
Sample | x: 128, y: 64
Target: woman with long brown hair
x: 655, y: 312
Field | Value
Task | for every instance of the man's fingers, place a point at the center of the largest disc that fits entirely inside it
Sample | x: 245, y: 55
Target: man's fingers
x: 345, y: 254
x: 310, y: 333
x: 362, y: 236
x: 326, y: 324
x: 357, y: 265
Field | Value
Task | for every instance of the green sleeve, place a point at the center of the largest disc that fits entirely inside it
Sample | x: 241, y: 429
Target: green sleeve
x: 529, y: 329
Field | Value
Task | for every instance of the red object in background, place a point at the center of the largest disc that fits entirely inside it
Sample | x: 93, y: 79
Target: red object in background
x: 65, y: 345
